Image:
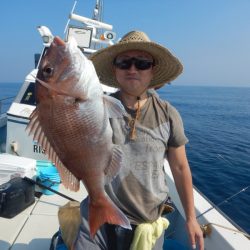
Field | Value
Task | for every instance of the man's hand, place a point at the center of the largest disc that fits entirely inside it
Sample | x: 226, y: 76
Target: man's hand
x: 183, y: 181
x: 195, y: 234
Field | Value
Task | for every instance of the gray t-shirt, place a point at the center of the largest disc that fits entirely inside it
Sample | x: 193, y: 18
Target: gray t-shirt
x: 140, y: 188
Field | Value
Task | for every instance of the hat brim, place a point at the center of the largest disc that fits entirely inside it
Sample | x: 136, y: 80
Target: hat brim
x: 167, y: 66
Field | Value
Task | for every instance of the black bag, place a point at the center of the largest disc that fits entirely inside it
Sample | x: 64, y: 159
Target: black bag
x: 15, y: 195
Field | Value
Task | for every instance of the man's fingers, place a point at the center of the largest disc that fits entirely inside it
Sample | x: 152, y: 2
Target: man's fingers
x: 192, y: 240
x: 201, y: 242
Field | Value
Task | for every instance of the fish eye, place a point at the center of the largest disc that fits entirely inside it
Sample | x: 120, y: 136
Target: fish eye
x: 48, y: 71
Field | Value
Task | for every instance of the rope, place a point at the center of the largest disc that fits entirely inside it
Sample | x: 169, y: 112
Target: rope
x: 207, y: 230
x: 133, y: 121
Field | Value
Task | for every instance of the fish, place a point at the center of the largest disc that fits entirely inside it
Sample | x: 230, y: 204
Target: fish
x: 71, y: 122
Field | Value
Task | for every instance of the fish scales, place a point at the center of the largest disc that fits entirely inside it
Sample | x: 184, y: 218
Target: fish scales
x: 71, y: 122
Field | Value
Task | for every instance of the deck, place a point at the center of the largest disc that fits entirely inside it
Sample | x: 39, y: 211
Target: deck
x: 33, y: 228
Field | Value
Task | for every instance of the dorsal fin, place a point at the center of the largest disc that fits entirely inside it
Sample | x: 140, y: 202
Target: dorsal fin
x: 34, y: 128
x: 114, y: 107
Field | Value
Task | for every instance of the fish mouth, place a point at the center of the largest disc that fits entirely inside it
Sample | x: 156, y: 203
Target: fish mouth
x: 58, y: 41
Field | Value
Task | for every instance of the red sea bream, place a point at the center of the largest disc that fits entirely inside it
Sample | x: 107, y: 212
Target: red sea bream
x: 71, y: 122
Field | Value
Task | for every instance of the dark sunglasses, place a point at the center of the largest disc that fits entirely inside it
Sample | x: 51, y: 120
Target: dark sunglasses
x: 140, y: 64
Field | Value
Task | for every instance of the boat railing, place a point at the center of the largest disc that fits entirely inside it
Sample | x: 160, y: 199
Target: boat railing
x: 5, y: 103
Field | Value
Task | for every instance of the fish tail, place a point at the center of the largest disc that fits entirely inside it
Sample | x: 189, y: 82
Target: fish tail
x: 105, y: 211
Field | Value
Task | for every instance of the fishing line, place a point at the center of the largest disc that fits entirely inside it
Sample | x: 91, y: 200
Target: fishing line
x: 46, y: 85
x: 219, y: 156
x: 59, y: 92
x: 224, y: 201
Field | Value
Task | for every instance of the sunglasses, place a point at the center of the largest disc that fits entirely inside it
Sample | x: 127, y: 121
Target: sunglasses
x: 139, y: 63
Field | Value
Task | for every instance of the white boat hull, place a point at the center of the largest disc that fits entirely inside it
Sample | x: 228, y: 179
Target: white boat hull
x: 224, y: 235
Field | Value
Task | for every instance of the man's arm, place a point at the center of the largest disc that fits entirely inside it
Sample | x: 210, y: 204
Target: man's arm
x: 183, y: 180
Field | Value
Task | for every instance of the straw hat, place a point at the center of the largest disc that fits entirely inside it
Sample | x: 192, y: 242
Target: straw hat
x: 167, y: 66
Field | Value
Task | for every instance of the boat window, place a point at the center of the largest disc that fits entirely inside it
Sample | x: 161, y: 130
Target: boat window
x: 29, y: 95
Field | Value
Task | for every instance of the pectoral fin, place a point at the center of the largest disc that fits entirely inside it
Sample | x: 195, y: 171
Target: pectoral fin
x: 116, y: 162
x: 114, y: 107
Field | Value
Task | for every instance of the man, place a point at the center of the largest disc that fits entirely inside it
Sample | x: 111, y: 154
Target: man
x: 152, y: 132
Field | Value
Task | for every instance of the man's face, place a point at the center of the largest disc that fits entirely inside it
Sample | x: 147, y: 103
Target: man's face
x: 131, y: 79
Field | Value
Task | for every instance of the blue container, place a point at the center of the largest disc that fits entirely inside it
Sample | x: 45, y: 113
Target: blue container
x: 40, y: 163
x: 48, y: 175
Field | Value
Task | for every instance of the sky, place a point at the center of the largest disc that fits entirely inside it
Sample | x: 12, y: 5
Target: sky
x: 211, y: 38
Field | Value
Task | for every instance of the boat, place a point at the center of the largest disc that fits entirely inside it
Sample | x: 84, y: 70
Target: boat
x: 34, y: 227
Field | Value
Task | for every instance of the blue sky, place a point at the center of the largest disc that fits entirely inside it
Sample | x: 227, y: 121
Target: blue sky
x: 211, y: 38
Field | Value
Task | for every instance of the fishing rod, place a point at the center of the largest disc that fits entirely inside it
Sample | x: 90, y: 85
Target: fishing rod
x: 50, y: 189
x: 67, y: 24
x: 224, y: 201
x: 219, y: 156
x: 207, y: 227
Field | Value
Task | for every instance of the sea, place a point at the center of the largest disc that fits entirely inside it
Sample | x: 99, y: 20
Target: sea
x: 217, y: 124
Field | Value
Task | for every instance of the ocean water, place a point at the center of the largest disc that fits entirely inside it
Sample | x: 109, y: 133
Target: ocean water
x: 8, y: 91
x: 217, y: 124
